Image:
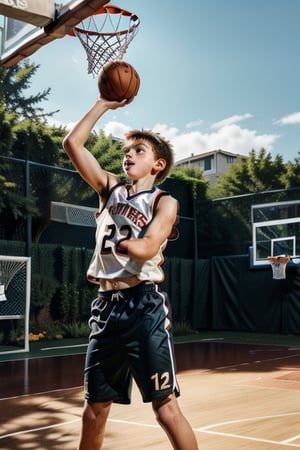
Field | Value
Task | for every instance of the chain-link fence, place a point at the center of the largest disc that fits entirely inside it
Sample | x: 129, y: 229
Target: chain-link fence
x: 207, y: 228
x: 224, y: 225
x: 26, y: 208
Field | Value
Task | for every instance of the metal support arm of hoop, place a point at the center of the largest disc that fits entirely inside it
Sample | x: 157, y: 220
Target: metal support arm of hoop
x: 106, y: 35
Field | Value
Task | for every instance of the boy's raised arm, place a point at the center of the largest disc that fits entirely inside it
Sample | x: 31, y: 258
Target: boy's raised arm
x: 82, y: 159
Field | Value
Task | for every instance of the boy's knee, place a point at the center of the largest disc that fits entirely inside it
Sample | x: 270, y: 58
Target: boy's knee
x: 88, y: 414
x: 166, y: 410
x: 95, y: 414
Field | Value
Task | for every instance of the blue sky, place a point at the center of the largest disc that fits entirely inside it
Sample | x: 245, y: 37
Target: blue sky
x: 215, y: 74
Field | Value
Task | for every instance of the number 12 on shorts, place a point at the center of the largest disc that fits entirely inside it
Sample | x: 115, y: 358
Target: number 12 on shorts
x: 162, y: 381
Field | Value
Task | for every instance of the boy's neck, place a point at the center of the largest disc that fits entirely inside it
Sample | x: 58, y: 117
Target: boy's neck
x: 141, y: 185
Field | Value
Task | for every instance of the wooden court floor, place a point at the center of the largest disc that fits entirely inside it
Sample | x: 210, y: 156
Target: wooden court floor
x: 236, y: 396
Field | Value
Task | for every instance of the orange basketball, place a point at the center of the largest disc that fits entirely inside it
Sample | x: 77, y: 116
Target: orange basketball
x: 118, y: 80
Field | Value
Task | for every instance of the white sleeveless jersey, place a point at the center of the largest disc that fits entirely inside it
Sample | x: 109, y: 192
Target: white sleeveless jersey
x: 125, y: 216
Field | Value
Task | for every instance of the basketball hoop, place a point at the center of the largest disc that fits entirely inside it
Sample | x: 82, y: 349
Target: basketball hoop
x: 106, y: 35
x: 278, y: 264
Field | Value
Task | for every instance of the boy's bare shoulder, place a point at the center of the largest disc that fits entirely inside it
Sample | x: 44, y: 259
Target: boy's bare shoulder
x: 110, y: 182
x: 167, y: 201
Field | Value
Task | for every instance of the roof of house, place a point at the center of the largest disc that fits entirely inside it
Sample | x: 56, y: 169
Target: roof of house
x: 205, y: 154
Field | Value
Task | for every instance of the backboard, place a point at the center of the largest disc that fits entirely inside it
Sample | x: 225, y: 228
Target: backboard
x: 275, y: 231
x: 22, y: 38
x: 37, y: 13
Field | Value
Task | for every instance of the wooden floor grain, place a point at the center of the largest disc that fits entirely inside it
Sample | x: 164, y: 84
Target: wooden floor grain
x: 235, y: 397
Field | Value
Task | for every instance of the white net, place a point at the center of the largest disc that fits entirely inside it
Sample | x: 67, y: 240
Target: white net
x: 15, y: 275
x: 278, y: 264
x: 106, y: 35
x: 2, y: 293
x: 8, y: 269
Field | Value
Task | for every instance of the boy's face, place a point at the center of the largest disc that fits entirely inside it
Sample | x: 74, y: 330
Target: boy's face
x: 139, y: 159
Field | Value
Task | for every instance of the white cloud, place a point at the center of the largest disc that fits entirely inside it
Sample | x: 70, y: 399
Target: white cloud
x: 194, y: 123
x: 290, y: 119
x: 231, y: 120
x: 69, y: 125
x: 167, y: 132
x: 116, y: 129
x: 57, y: 123
x: 232, y: 138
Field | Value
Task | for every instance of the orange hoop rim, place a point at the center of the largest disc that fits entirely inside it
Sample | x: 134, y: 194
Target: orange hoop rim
x: 108, y: 9
x: 278, y: 259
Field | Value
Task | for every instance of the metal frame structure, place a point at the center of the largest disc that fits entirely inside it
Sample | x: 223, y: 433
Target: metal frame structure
x: 26, y: 306
x: 67, y: 17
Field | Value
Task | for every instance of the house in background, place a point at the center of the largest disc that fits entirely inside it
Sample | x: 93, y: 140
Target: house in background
x: 213, y: 164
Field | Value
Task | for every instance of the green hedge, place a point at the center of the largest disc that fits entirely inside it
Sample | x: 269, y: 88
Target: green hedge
x: 61, y: 295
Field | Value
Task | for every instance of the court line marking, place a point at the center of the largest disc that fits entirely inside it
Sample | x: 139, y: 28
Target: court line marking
x: 138, y: 424
x: 287, y: 442
x: 32, y: 430
x: 69, y: 422
x: 248, y: 438
x: 206, y: 429
x: 279, y: 358
x: 32, y: 394
x: 63, y: 346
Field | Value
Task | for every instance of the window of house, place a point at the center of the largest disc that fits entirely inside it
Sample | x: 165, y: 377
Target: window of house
x: 230, y: 159
x: 208, y: 163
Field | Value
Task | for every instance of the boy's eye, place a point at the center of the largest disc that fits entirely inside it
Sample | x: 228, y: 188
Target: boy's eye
x: 137, y: 150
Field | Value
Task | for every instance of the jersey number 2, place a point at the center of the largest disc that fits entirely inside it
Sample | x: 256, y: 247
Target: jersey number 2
x: 108, y: 240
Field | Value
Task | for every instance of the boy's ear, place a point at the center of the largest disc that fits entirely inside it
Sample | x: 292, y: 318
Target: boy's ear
x: 160, y: 164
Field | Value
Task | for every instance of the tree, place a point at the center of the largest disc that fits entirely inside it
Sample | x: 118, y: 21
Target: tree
x: 13, y: 82
x: 23, y: 135
x: 259, y: 174
x: 107, y: 151
x: 23, y: 129
x: 13, y: 207
x: 36, y: 141
x: 256, y: 173
x: 291, y: 177
x: 194, y: 176
x: 6, y: 130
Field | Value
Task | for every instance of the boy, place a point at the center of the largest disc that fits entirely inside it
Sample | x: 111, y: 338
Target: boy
x: 130, y: 319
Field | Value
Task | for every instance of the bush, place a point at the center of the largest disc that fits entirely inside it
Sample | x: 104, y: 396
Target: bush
x: 42, y: 292
x: 76, y: 329
x: 182, y: 328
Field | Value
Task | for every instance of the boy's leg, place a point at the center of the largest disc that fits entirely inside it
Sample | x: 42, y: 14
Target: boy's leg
x: 94, y: 419
x: 173, y: 422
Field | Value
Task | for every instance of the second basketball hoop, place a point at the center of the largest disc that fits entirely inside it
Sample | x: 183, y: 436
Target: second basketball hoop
x: 279, y: 264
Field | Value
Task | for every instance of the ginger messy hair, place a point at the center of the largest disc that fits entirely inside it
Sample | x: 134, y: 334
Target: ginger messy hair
x: 161, y: 148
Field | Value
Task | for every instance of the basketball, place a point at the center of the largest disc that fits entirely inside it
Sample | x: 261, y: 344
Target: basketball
x: 118, y: 80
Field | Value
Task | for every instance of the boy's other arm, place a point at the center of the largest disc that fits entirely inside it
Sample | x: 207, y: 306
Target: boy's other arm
x: 145, y: 248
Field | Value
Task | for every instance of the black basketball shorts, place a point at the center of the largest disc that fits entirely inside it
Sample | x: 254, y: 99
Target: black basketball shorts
x: 130, y: 338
